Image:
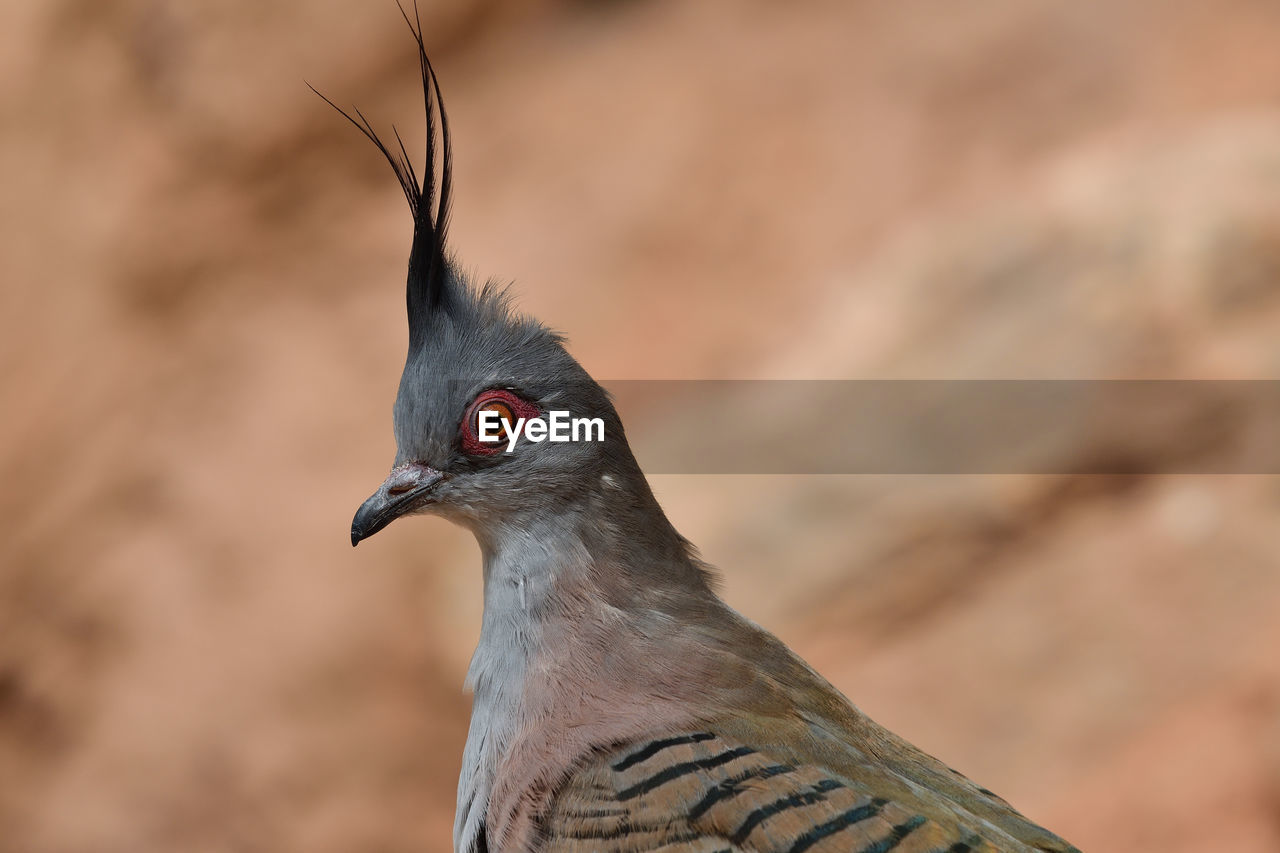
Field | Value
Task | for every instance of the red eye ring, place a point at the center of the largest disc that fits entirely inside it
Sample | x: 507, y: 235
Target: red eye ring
x: 509, y: 407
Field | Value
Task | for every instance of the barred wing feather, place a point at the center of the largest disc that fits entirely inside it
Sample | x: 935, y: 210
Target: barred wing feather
x: 699, y: 792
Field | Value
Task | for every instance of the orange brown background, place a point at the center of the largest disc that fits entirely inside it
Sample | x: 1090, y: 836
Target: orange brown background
x: 201, y: 332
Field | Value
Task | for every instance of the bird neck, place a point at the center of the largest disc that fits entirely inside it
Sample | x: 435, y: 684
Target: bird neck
x: 552, y: 573
x: 611, y: 547
x: 610, y: 539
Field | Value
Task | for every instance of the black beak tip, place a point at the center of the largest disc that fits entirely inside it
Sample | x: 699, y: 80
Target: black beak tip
x: 369, y: 519
x: 362, y: 528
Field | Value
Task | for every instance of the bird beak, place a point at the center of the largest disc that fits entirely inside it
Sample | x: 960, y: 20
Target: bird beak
x: 403, y: 491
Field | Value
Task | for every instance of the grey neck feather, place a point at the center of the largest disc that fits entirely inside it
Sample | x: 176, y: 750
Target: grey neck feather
x: 520, y: 566
x: 526, y: 561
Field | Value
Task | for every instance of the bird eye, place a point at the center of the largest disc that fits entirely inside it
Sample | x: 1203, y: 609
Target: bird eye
x: 507, y: 407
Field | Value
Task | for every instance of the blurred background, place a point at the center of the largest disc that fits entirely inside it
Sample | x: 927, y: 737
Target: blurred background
x: 202, y: 330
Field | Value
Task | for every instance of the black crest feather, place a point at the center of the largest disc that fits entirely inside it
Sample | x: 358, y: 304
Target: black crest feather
x: 428, y: 289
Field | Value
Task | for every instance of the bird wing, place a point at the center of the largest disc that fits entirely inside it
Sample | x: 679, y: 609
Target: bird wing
x: 703, y: 792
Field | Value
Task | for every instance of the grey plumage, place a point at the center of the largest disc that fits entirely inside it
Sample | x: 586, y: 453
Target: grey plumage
x: 602, y: 635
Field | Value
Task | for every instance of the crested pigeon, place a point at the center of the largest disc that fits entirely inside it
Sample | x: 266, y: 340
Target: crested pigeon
x: 619, y: 705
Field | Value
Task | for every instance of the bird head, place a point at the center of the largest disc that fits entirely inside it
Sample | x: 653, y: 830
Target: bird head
x: 477, y: 376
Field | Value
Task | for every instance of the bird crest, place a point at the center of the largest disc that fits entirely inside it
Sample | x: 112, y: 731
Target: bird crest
x: 429, y: 289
